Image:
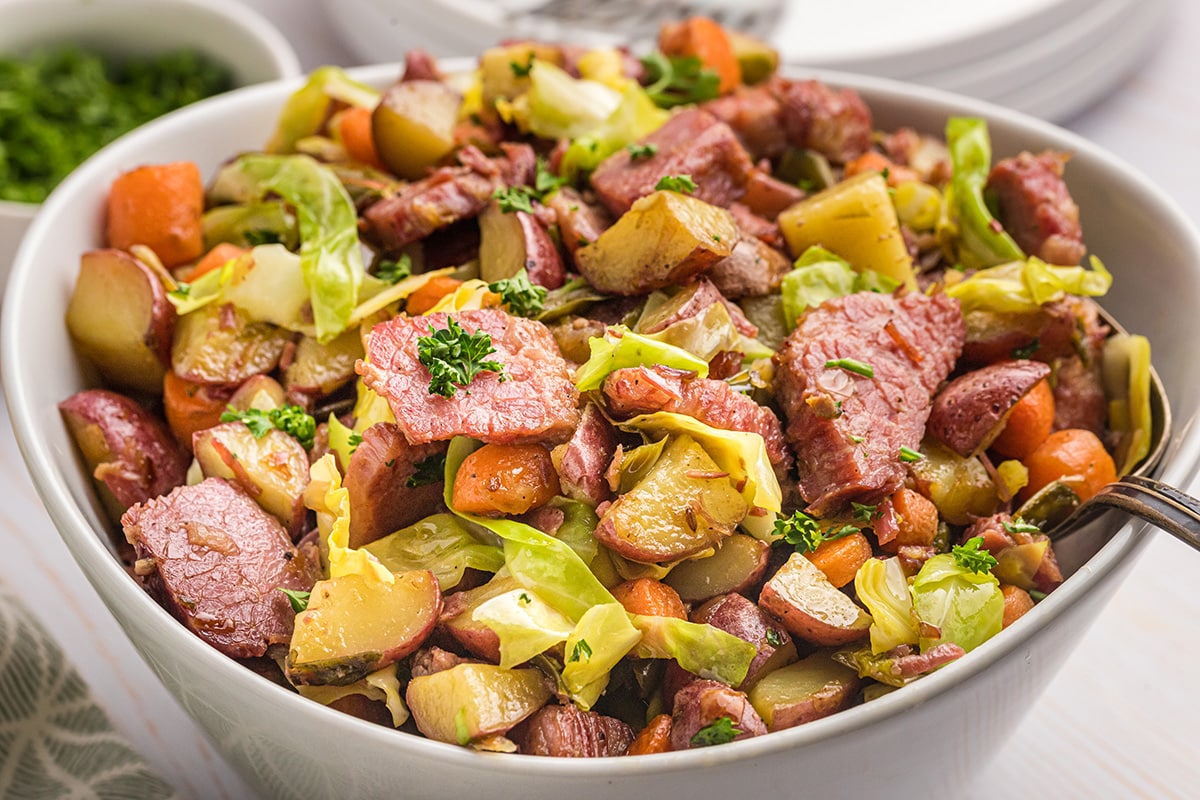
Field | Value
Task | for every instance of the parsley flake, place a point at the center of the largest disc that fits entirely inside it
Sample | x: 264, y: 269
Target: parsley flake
x: 514, y: 198
x: 522, y: 70
x: 863, y: 512
x: 968, y: 556
x: 908, y: 455
x: 720, y: 731
x: 454, y: 357
x: 522, y: 297
x: 392, y: 272
x: 581, y: 652
x: 804, y: 532
x: 181, y: 290
x: 427, y: 471
x: 774, y: 638
x: 851, y: 365
x: 524, y: 598
x: 1028, y: 350
x: 354, y: 440
x: 1021, y: 527
x: 679, y: 80
x: 639, y: 151
x: 545, y: 181
x: 676, y: 183
x: 292, y: 420
x: 298, y: 599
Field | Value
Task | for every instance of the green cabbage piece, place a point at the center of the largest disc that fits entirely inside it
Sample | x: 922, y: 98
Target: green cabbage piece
x: 699, y: 648
x: 576, y: 530
x: 440, y: 543
x: 269, y: 287
x: 307, y: 109
x: 562, y: 107
x: 1024, y: 286
x: 525, y: 623
x: 248, y: 224
x: 330, y: 253
x: 326, y: 496
x: 602, y: 638
x: 882, y: 587
x: 1126, y: 369
x: 966, y: 607
x: 703, y: 335
x: 978, y: 238
x: 369, y: 408
x: 621, y: 347
x: 820, y: 275
x: 635, y: 116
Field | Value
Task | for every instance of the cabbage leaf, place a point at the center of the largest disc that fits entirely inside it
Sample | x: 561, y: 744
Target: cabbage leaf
x: 1126, y: 363
x: 440, y: 543
x: 381, y: 685
x: 620, y: 348
x: 1024, y: 286
x: 635, y: 116
x: 307, y: 109
x: 882, y: 587
x: 699, y: 648
x: 525, y: 623
x: 821, y: 275
x: 329, y: 499
x: 978, y: 238
x: 966, y: 607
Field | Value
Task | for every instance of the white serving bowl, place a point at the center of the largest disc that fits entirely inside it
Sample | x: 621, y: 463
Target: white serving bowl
x: 926, y: 740
x: 227, y: 31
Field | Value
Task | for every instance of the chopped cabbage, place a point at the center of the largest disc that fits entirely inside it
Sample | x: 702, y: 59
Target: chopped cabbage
x: 525, y: 623
x: 440, y: 543
x: 562, y: 107
x: 699, y: 648
x: 1024, y: 286
x: 974, y: 234
x: 603, y: 636
x: 635, y: 116
x: 621, y: 347
x: 329, y: 499
x: 882, y: 587
x: 1127, y: 385
x: 381, y: 685
x: 307, y: 109
x: 964, y: 607
x: 820, y: 275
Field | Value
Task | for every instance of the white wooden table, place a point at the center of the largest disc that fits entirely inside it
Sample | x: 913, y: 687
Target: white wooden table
x: 1116, y: 723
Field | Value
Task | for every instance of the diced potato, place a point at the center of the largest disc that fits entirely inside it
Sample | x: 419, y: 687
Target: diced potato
x: 856, y: 220
x: 121, y: 320
x: 355, y: 625
x: 510, y: 241
x: 735, y: 614
x: 471, y: 701
x: 504, y: 70
x: 970, y: 412
x: 810, y: 607
x: 319, y: 369
x: 219, y: 344
x: 683, y: 505
x: 736, y: 564
x: 273, y: 470
x: 663, y: 239
x: 413, y: 126
x: 812, y: 688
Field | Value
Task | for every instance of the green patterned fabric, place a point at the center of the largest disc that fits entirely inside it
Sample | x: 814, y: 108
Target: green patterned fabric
x: 55, y: 739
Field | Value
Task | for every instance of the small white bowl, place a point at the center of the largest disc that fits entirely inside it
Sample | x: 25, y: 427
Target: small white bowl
x: 926, y: 740
x: 225, y: 30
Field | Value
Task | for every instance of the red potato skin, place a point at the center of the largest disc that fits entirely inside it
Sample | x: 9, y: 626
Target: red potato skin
x: 131, y: 453
x: 969, y: 413
x: 567, y: 732
x: 543, y: 263
x: 734, y: 614
x: 702, y: 702
x: 779, y: 598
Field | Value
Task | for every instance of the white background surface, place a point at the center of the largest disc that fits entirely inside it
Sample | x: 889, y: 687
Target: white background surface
x: 1115, y: 723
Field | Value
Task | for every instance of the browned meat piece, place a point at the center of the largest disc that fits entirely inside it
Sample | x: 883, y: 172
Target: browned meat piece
x: 1056, y: 330
x: 835, y: 123
x: 377, y: 482
x: 754, y: 269
x: 579, y: 222
x: 991, y: 531
x: 694, y: 143
x: 847, y: 429
x: 702, y: 294
x: 448, y: 195
x: 703, y: 702
x: 753, y: 112
x: 586, y: 457
x: 536, y: 400
x: 767, y: 196
x: 926, y: 155
x: 567, y: 732
x: 213, y: 558
x: 1036, y: 207
x: 429, y: 660
x: 1079, y: 400
x: 420, y: 65
x: 751, y: 224
x: 644, y: 390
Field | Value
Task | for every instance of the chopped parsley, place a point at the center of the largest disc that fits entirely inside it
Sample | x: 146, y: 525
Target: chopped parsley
x: 862, y: 512
x: 908, y: 455
x: 676, y: 183
x: 851, y: 365
x: 181, y: 290
x: 804, y: 532
x: 454, y: 357
x: 582, y: 651
x: 392, y: 272
x: 857, y: 439
x: 524, y: 598
x: 968, y: 556
x: 640, y: 151
x: 522, y: 297
x: 545, y: 181
x: 298, y: 599
x: 292, y: 420
x: 1021, y: 527
x: 522, y: 70
x: 427, y: 471
x: 353, y: 441
x: 679, y: 80
x: 720, y: 731
x: 514, y: 198
x: 774, y: 638
x: 258, y: 236
x: 1028, y: 350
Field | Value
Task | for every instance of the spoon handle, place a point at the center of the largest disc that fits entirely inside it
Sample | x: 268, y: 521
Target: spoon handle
x: 1161, y: 505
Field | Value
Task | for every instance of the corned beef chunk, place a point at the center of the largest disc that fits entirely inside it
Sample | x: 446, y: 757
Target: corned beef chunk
x: 847, y: 429
x: 533, y: 401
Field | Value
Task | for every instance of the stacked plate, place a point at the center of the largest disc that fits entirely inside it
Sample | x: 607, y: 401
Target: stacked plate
x: 1050, y: 58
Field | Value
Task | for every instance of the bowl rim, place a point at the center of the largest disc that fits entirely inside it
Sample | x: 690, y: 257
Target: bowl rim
x: 108, y: 575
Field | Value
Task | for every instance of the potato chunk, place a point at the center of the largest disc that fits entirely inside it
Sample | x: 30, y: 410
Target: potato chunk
x: 471, y: 701
x: 413, y: 126
x: 810, y: 607
x: 664, y: 239
x: 812, y: 688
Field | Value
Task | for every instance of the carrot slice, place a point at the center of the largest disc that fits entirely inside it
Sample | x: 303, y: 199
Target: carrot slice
x: 706, y: 40
x: 192, y: 407
x: 1074, y: 455
x: 500, y: 479
x: 158, y: 206
x: 840, y: 559
x: 219, y: 256
x: 654, y: 738
x: 428, y: 295
x: 354, y: 131
x: 649, y: 598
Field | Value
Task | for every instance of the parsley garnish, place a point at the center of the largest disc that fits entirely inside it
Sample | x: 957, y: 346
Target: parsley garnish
x: 522, y: 70
x: 353, y: 441
x: 1028, y: 350
x: 392, y: 272
x: 181, y: 290
x: 427, y: 471
x: 524, y: 598
x: 258, y: 236
x: 640, y: 151
x: 581, y: 651
x: 773, y: 638
x: 863, y: 512
x: 805, y: 534
x: 679, y: 80
x: 514, y: 198
x: 292, y: 420
x: 1021, y: 527
x: 908, y: 455
x: 857, y: 439
x: 545, y: 181
x: 676, y: 183
x: 520, y: 295
x: 720, y: 731
x: 851, y: 365
x: 298, y: 599
x: 454, y: 357
x: 968, y: 556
